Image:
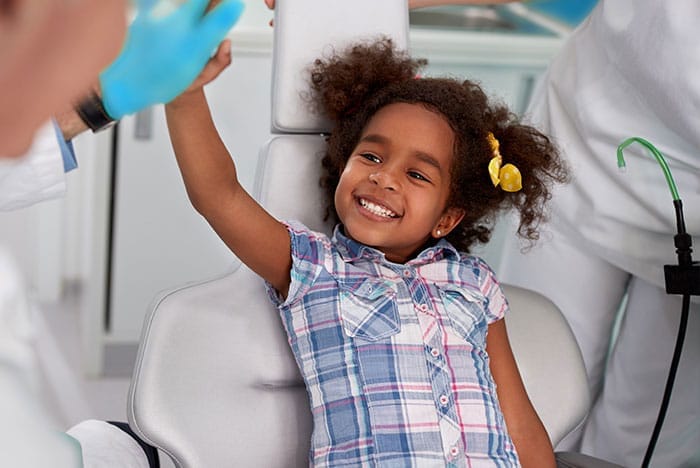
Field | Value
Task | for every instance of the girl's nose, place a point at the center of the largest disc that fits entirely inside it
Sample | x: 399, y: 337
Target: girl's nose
x: 383, y: 179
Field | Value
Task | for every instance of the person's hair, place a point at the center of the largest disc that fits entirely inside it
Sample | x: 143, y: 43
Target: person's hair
x: 350, y: 87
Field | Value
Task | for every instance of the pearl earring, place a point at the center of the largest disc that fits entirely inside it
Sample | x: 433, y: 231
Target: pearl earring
x: 438, y: 232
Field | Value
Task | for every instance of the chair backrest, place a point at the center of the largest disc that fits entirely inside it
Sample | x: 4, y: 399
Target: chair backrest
x: 215, y: 383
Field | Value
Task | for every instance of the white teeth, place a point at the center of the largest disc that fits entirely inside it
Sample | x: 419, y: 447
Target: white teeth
x: 377, y: 209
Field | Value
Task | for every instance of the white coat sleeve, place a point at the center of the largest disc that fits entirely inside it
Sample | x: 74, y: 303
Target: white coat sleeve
x: 38, y: 175
x: 29, y: 438
x: 29, y: 435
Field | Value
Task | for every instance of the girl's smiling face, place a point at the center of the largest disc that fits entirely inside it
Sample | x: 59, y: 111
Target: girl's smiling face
x: 393, y: 192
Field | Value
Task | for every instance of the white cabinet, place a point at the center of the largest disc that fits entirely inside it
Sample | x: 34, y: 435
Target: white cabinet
x: 155, y: 240
x: 506, y: 65
x: 159, y: 241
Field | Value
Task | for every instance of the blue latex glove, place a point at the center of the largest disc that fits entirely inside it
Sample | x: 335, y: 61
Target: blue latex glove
x: 163, y: 55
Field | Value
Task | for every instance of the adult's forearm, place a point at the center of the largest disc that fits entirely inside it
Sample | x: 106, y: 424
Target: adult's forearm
x: 70, y: 123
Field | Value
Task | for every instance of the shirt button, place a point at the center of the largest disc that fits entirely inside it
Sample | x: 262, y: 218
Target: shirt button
x: 423, y: 307
x: 407, y: 273
x: 454, y: 451
x: 435, y: 352
x: 444, y: 400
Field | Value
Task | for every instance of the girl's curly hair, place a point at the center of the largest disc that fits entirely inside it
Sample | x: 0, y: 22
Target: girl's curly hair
x: 349, y: 88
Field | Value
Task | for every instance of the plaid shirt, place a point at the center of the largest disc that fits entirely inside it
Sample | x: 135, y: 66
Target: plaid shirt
x: 394, y: 356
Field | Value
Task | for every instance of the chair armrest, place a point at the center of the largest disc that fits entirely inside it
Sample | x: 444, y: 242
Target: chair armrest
x: 579, y: 460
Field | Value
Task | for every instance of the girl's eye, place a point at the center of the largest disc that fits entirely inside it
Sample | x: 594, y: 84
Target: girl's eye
x: 371, y: 157
x: 417, y: 176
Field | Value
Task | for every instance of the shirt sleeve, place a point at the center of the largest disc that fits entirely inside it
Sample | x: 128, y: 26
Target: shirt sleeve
x: 66, y: 147
x: 36, y: 176
x: 309, y: 250
x: 496, y: 303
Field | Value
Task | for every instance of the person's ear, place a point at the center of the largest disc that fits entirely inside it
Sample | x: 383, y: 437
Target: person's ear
x: 447, y: 222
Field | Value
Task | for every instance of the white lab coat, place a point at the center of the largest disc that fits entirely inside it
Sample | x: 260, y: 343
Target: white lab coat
x: 36, y: 176
x: 630, y: 69
x: 29, y: 436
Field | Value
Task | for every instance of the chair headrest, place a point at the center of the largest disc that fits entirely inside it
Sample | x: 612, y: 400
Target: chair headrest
x: 305, y: 30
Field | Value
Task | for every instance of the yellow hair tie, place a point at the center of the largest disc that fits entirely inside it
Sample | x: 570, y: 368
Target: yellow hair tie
x: 507, y: 176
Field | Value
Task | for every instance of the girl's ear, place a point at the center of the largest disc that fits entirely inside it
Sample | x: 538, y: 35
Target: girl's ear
x: 447, y: 222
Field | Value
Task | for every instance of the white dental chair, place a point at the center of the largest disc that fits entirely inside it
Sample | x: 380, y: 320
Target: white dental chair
x: 215, y: 384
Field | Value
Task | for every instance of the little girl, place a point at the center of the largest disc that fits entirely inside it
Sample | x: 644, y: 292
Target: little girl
x: 397, y: 330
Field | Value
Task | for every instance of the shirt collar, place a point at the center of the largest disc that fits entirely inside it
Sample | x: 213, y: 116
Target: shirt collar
x: 351, y: 250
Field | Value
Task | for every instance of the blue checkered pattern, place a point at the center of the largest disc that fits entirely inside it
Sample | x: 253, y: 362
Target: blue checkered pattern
x: 394, y: 356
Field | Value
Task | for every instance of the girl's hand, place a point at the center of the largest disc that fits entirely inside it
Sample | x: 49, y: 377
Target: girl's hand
x: 271, y: 5
x: 213, y: 68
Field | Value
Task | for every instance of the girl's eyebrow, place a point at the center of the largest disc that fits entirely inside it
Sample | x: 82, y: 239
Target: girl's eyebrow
x: 422, y: 156
x: 428, y: 159
x: 375, y: 138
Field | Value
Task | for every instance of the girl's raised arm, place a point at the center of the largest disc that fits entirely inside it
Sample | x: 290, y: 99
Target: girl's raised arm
x: 253, y: 235
x: 430, y: 3
x: 524, y: 426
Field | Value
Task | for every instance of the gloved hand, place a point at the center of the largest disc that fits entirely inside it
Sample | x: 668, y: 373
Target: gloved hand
x: 163, y: 55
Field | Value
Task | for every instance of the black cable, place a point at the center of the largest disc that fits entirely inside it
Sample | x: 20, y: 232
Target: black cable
x: 685, y: 312
x: 683, y: 279
x: 111, y: 226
